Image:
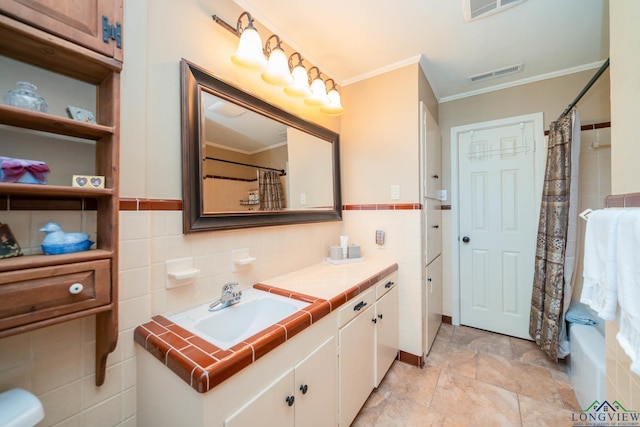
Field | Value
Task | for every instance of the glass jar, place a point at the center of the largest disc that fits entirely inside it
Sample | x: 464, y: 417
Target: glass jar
x: 25, y: 96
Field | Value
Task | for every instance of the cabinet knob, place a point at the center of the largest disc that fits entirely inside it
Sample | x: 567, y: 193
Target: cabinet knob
x: 388, y: 285
x: 290, y: 400
x: 304, y: 388
x: 76, y: 288
x: 466, y: 239
x: 435, y: 226
x: 429, y: 279
x: 374, y: 320
x: 380, y: 316
x: 435, y: 176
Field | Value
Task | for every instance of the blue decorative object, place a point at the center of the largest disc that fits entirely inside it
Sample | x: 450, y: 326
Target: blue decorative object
x: 57, y: 241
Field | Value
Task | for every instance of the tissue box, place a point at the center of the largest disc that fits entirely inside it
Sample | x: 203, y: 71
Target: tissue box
x: 23, y: 171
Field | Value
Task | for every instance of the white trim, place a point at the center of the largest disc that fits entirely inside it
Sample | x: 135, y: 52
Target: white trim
x: 538, y: 173
x: 382, y: 70
x: 528, y: 80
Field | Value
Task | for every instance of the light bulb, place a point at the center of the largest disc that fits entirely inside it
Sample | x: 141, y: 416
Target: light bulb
x: 249, y: 53
x: 277, y: 72
x: 334, y: 107
x: 300, y: 85
x: 318, y: 93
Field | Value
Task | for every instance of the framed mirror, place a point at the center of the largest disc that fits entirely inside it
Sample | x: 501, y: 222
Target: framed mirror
x: 247, y: 163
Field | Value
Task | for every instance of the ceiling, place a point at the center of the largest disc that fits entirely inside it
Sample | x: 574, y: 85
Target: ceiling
x: 350, y: 40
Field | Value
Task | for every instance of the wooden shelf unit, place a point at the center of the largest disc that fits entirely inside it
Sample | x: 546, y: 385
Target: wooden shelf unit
x: 38, y: 285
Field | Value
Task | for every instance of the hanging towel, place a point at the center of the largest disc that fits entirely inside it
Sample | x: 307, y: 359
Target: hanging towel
x: 599, y: 289
x: 628, y: 265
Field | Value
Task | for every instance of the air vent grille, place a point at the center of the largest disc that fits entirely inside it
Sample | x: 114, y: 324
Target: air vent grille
x: 496, y: 73
x: 474, y: 9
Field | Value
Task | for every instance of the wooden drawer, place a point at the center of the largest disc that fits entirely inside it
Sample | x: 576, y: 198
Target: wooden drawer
x: 356, y: 305
x: 386, y: 284
x: 38, y: 294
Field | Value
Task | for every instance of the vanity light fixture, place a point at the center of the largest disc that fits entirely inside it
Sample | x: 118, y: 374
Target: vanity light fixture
x: 277, y: 72
x: 334, y: 107
x: 300, y: 85
x: 318, y: 90
x: 249, y: 53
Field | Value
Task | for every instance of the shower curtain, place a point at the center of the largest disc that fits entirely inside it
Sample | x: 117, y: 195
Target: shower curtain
x: 270, y: 190
x: 556, y: 244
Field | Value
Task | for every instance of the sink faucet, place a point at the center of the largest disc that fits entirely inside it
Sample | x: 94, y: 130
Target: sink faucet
x: 229, y: 297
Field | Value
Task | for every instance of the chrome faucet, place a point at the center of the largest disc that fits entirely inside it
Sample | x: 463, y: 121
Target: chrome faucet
x: 229, y: 297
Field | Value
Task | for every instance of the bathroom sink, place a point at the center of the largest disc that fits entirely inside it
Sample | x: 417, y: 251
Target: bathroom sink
x: 256, y: 311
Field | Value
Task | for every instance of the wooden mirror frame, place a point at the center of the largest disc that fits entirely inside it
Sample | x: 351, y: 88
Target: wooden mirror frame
x: 193, y: 80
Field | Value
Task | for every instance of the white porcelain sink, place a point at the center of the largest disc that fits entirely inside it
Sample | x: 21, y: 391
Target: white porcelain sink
x: 257, y: 310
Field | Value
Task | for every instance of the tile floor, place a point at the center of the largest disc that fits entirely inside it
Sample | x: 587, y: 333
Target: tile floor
x: 473, y: 378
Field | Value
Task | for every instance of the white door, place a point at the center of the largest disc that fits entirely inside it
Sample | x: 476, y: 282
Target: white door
x: 498, y: 207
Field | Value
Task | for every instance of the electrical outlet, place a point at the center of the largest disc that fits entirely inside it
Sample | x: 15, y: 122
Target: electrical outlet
x: 395, y: 192
x: 303, y: 199
x: 442, y: 194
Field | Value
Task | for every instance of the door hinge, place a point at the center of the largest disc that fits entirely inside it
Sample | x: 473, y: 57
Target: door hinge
x: 113, y: 32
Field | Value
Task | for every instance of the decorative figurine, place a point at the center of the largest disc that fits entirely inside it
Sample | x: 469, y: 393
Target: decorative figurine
x: 57, y: 241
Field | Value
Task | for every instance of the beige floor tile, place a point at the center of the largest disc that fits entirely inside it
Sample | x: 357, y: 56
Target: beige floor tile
x: 477, y: 339
x: 372, y: 408
x: 405, y: 413
x: 529, y: 352
x: 568, y: 396
x: 471, y: 379
x: 411, y: 383
x: 456, y: 358
x: 522, y: 378
x: 445, y: 332
x: 536, y: 414
x: 473, y: 400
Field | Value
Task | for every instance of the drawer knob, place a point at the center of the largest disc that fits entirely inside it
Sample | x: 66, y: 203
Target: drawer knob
x: 76, y: 288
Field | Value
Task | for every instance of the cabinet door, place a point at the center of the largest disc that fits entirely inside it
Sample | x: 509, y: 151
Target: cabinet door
x: 79, y: 22
x: 269, y: 408
x: 386, y: 333
x: 434, y: 229
x: 433, y: 294
x: 433, y: 154
x: 356, y: 364
x: 315, y: 387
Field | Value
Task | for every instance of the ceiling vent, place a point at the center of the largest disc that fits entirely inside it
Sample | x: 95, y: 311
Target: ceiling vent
x: 496, y: 73
x: 475, y: 9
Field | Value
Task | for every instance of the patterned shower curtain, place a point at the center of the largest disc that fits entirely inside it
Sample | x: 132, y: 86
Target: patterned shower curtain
x: 270, y: 190
x: 547, y: 300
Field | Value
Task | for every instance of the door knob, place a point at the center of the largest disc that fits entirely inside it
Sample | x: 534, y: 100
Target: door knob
x: 466, y: 239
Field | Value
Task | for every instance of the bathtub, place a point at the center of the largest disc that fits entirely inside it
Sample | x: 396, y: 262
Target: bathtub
x: 587, y: 363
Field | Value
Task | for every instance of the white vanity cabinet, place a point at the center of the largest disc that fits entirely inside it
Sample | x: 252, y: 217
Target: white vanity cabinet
x: 356, y: 341
x: 304, y: 395
x: 386, y: 321
x: 368, y: 344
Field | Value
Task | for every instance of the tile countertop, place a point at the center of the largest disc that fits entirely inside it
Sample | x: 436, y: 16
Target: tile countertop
x: 203, y: 365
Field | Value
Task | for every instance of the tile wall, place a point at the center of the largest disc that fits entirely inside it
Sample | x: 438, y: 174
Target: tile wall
x: 57, y: 363
x: 402, y: 245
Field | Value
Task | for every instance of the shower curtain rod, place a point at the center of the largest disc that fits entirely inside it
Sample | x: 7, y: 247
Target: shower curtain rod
x: 244, y: 164
x: 587, y: 87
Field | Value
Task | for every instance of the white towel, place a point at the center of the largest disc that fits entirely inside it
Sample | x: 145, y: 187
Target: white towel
x: 599, y: 288
x: 628, y: 267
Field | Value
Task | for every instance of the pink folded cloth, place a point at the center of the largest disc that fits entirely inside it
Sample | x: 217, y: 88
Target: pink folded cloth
x: 14, y: 169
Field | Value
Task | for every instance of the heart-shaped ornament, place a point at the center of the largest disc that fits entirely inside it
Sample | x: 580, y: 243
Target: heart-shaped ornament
x: 96, y: 182
x: 81, y: 181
